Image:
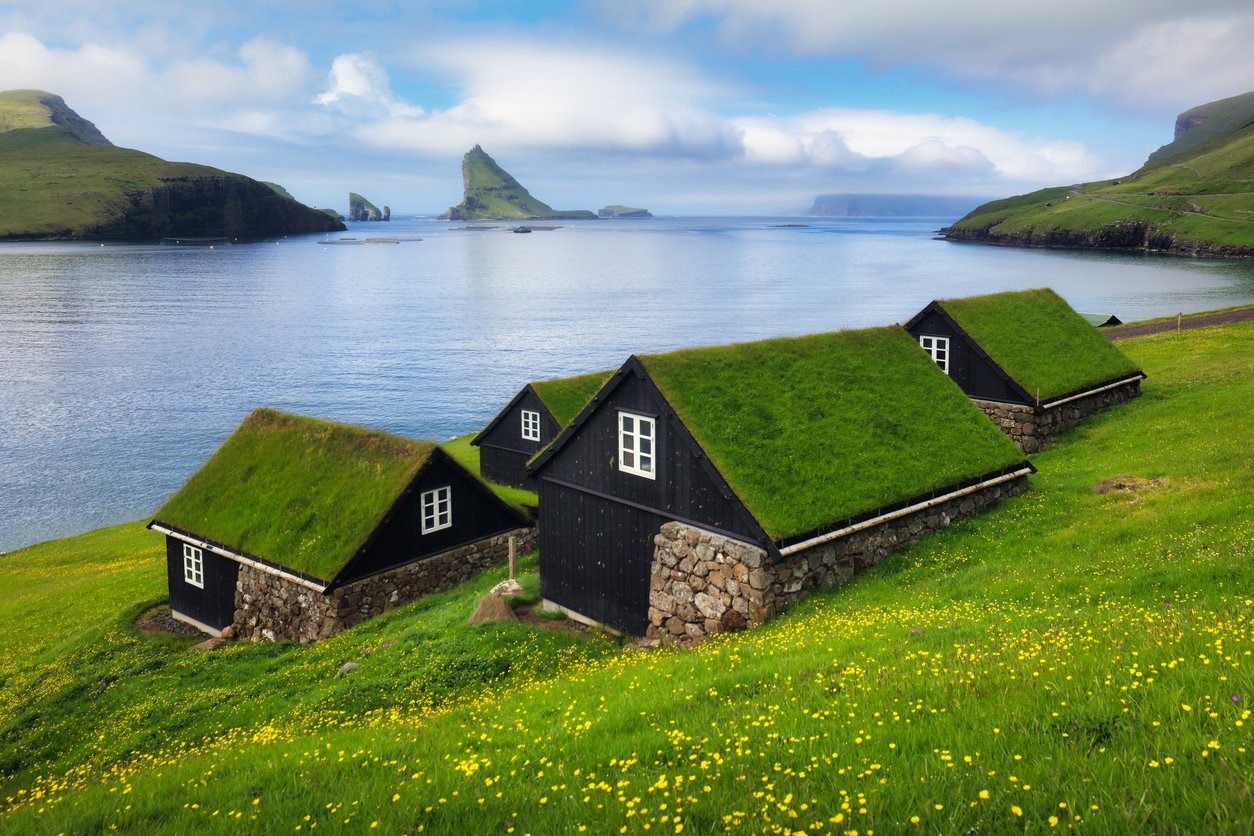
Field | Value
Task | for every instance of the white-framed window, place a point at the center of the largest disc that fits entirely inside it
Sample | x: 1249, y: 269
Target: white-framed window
x: 637, y: 437
x: 193, y: 565
x: 437, y: 509
x: 530, y: 425
x: 938, y: 347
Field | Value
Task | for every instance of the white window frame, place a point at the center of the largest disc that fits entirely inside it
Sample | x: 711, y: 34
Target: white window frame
x: 530, y: 425
x: 938, y: 348
x: 193, y: 566
x: 630, y: 438
x: 433, y: 518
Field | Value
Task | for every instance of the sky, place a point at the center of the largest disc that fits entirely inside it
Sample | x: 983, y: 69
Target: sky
x: 725, y: 107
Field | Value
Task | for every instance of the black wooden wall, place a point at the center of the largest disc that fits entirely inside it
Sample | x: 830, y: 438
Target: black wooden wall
x: 597, y: 523
x: 595, y: 556
x: 974, y: 374
x: 503, y: 451
x: 505, y: 467
x: 213, y: 606
x: 476, y: 514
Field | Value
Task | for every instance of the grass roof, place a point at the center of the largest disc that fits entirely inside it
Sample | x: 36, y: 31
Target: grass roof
x: 565, y: 396
x: 299, y: 492
x: 813, y: 430
x: 1036, y: 337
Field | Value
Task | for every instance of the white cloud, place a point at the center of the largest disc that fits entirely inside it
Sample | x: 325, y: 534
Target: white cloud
x: 1139, y: 53
x: 855, y: 140
x: 266, y: 71
x: 358, y: 85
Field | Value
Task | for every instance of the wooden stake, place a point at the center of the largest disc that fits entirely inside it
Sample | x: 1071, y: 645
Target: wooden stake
x: 1179, y: 320
x: 513, y: 557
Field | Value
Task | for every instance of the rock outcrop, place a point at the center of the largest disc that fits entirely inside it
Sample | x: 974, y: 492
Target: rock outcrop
x: 360, y: 209
x: 490, y: 193
x: 616, y: 211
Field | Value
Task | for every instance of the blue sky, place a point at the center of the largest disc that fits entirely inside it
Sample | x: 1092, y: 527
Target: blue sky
x: 682, y: 106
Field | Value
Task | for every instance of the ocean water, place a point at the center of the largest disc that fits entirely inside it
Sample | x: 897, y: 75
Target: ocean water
x: 122, y: 367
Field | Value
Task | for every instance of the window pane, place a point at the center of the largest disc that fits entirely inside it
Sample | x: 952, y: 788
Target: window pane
x: 629, y: 424
x: 646, y: 428
x: 646, y: 446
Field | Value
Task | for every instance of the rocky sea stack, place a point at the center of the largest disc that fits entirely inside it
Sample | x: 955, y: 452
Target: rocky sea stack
x: 490, y: 193
x: 360, y: 209
x: 61, y: 179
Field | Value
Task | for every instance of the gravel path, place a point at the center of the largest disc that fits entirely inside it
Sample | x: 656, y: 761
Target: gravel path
x: 1122, y: 332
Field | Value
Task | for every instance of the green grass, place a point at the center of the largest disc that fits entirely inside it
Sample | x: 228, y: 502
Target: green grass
x: 1035, y: 336
x: 492, y: 193
x: 566, y: 396
x: 1217, y: 119
x: 468, y: 457
x: 1068, y: 654
x: 1198, y: 198
x: 809, y: 431
x: 300, y: 492
x: 52, y: 185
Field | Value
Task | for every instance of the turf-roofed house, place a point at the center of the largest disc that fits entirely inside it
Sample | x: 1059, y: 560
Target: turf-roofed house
x: 703, y: 490
x: 297, y: 528
x: 531, y: 420
x: 1033, y: 364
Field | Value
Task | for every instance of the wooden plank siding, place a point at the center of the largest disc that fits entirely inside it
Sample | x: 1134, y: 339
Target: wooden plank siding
x: 503, y: 452
x: 596, y: 556
x: 969, y: 367
x: 598, y: 523
x: 476, y: 514
x: 214, y: 605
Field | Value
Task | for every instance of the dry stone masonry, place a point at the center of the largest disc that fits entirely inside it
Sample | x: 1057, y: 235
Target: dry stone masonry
x: 1031, y: 429
x: 704, y: 583
x: 270, y: 607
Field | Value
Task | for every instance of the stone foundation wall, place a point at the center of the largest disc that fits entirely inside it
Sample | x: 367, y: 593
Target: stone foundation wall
x: 1031, y: 430
x: 703, y: 583
x: 271, y: 608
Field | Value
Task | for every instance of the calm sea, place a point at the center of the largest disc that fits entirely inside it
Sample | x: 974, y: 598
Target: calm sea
x: 123, y: 367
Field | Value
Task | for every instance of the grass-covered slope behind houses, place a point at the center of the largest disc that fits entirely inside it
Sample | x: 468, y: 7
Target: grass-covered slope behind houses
x: 1198, y: 199
x: 1078, y: 656
x: 491, y: 193
x: 61, y: 179
x: 812, y: 430
x: 300, y: 492
x: 1036, y: 337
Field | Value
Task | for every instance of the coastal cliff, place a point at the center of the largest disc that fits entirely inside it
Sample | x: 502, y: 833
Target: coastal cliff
x: 1192, y: 197
x: 61, y: 179
x: 489, y: 192
x: 360, y: 209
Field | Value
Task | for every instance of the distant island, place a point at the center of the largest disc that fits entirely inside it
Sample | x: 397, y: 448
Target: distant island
x: 61, y: 179
x: 490, y: 193
x: 360, y: 209
x: 892, y: 206
x: 617, y: 211
x: 1194, y: 196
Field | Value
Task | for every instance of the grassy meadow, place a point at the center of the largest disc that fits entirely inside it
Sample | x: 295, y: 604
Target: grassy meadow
x: 1200, y: 198
x: 1078, y: 657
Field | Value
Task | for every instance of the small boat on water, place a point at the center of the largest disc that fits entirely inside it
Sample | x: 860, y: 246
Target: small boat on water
x: 521, y: 229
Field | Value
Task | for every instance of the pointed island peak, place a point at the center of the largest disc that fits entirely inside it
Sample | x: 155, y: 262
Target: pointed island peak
x: 491, y: 193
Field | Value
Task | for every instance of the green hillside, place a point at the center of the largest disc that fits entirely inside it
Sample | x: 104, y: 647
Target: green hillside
x: 61, y: 179
x: 1196, y: 199
x: 1077, y: 657
x: 491, y: 193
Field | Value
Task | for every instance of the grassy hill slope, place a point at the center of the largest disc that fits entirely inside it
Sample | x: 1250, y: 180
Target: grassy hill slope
x: 1198, y: 200
x: 61, y: 179
x: 491, y: 193
x: 1074, y: 657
